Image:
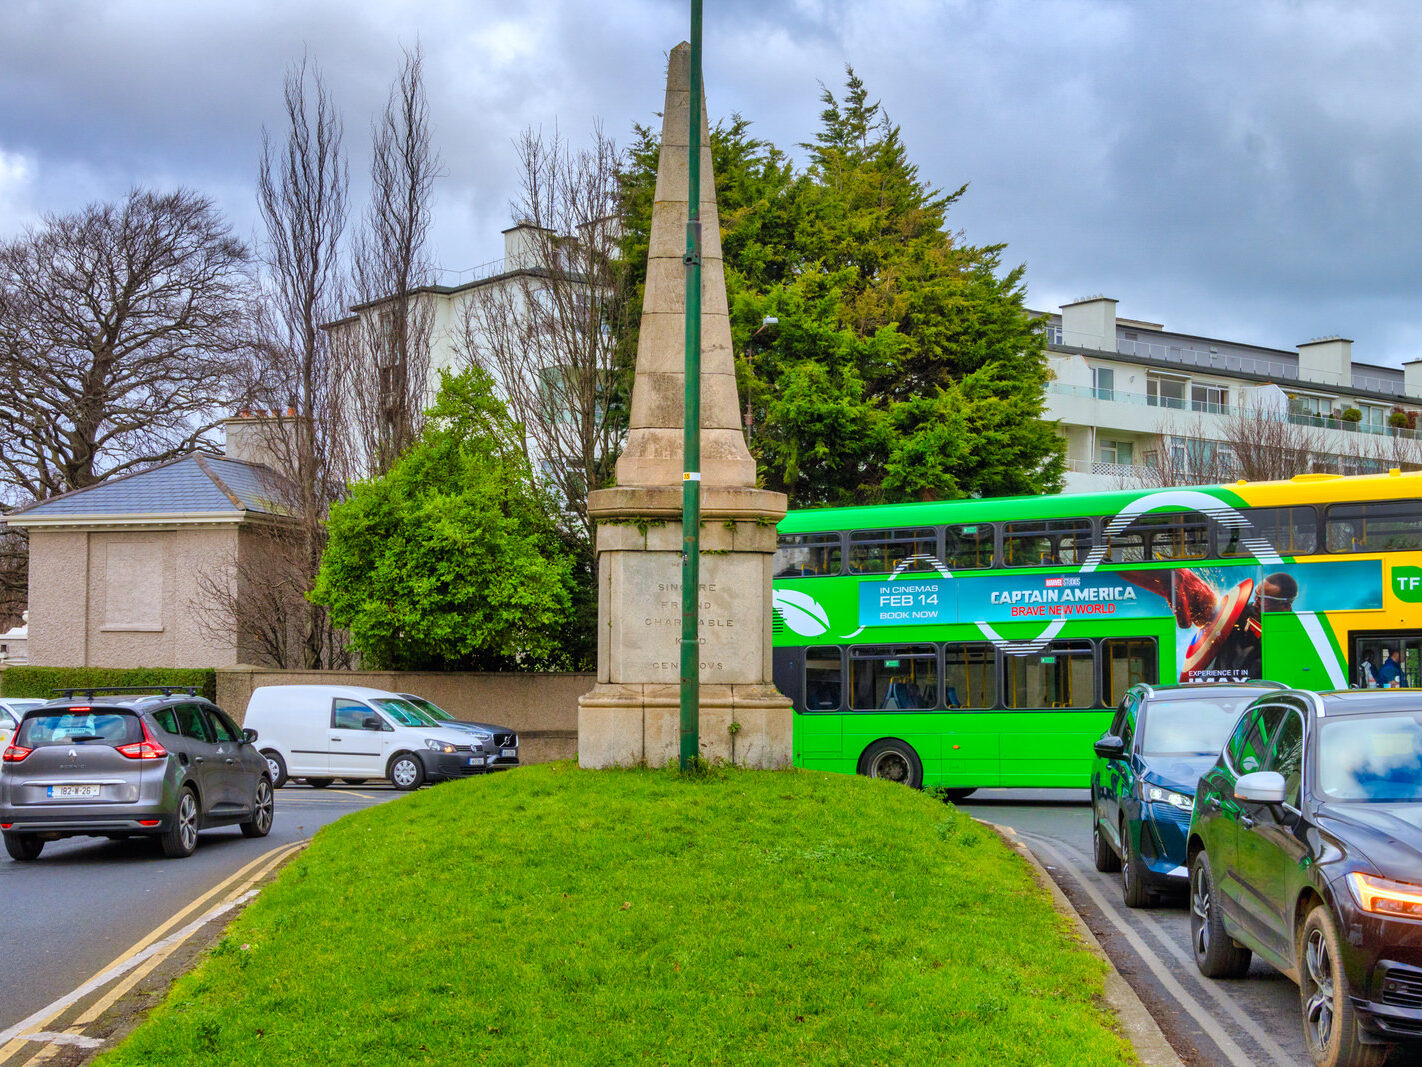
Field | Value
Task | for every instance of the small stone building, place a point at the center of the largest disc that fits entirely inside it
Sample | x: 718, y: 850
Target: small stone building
x: 116, y: 570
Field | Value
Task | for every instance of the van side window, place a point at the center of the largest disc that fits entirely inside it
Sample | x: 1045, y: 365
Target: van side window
x: 349, y: 714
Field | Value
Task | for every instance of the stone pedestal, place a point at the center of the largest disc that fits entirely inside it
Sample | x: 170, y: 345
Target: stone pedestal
x: 633, y: 715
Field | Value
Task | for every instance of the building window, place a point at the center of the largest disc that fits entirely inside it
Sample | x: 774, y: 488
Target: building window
x: 1103, y: 383
x: 1212, y: 399
x: 1165, y: 392
x: 1309, y: 405
x: 1109, y: 450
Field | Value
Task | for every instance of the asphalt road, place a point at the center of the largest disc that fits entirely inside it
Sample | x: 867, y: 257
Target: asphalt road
x: 1248, y: 1022
x: 85, y: 900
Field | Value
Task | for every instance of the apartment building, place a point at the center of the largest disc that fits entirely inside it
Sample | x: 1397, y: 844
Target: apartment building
x: 1137, y: 402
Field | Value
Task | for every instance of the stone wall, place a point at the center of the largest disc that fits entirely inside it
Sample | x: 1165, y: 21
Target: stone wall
x: 543, y: 708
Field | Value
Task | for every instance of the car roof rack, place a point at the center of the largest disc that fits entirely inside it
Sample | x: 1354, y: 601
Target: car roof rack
x: 92, y: 691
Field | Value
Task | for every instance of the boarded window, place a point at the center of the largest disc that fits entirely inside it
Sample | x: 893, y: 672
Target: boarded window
x: 133, y: 585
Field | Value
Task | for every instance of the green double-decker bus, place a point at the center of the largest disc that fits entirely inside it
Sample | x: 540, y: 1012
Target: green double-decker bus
x: 979, y: 643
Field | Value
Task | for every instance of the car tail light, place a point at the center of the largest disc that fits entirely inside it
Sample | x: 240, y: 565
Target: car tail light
x: 150, y: 822
x: 148, y: 748
x: 16, y: 754
x: 1383, y: 896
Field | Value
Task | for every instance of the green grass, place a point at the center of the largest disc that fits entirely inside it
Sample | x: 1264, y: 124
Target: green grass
x: 552, y: 915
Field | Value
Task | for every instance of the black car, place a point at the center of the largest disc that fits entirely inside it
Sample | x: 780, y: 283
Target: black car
x: 1162, y: 738
x: 1306, y: 848
x: 119, y: 764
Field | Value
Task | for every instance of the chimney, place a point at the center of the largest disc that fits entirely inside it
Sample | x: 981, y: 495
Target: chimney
x: 1327, y: 361
x: 1090, y: 323
x: 523, y: 245
x: 1412, y: 379
x: 261, y: 438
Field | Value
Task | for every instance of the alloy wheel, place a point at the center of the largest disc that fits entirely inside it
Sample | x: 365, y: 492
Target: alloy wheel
x: 187, y: 821
x: 265, y: 806
x: 1318, y: 1005
x: 1200, y: 911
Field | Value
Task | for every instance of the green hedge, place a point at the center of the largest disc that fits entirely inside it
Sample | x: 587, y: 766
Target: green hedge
x: 27, y: 681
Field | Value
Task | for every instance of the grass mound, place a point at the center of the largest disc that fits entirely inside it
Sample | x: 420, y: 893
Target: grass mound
x: 552, y: 915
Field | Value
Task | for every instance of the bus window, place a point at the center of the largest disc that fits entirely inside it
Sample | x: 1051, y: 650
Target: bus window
x: 1162, y: 536
x: 802, y: 555
x: 824, y: 679
x: 1288, y: 531
x: 1045, y: 542
x: 968, y: 547
x: 882, y: 551
x: 1060, y: 676
x: 893, y: 677
x: 1392, y: 526
x: 970, y: 675
x: 1125, y: 661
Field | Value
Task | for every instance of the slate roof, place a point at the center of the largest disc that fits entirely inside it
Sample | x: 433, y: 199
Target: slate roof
x: 195, y: 483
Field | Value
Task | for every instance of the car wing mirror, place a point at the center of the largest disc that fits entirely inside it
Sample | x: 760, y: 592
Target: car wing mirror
x: 372, y: 723
x: 249, y: 736
x: 1260, y: 787
x: 1110, y: 747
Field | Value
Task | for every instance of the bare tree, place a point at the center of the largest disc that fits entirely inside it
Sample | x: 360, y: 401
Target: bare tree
x: 14, y: 575
x: 387, y: 372
x: 1253, y: 442
x: 546, y: 331
x: 121, y: 338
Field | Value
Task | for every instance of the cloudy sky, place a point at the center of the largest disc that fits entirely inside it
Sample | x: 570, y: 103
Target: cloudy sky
x: 1244, y: 169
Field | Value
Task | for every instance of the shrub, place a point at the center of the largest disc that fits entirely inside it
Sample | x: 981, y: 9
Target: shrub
x: 1352, y: 415
x: 30, y: 681
x: 1398, y: 420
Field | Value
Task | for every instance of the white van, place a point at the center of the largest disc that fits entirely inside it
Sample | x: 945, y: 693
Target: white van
x: 325, y: 732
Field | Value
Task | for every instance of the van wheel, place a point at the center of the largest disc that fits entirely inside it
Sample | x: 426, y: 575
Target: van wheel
x: 406, y: 772
x: 277, y: 766
x: 24, y: 847
x: 892, y: 759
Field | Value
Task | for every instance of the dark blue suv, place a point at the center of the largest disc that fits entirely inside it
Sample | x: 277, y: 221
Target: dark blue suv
x: 1161, y: 740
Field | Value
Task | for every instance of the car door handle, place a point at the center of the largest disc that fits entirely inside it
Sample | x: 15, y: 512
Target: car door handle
x: 336, y: 739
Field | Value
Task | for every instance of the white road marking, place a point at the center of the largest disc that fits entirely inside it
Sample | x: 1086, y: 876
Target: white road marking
x: 98, y: 982
x: 1207, y: 1021
x: 51, y: 1037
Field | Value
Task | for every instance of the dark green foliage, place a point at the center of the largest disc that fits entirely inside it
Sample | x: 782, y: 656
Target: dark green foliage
x: 904, y: 365
x: 449, y: 561
x: 29, y: 681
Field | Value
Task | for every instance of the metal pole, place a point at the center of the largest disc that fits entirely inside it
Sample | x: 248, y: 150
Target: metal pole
x: 691, y: 433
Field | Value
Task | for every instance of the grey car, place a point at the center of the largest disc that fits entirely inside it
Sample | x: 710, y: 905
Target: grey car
x: 116, y: 764
x: 499, y: 743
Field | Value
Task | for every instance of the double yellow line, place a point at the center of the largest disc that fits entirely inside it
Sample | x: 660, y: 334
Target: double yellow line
x: 33, y: 1041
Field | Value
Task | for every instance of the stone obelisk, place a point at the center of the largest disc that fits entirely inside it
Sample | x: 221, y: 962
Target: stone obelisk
x: 632, y: 715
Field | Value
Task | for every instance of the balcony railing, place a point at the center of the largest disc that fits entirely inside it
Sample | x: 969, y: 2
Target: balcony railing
x: 1120, y: 396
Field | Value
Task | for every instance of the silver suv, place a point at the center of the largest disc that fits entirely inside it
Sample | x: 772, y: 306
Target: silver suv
x: 111, y: 763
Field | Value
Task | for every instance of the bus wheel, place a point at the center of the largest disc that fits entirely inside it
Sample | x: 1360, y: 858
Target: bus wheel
x: 892, y: 759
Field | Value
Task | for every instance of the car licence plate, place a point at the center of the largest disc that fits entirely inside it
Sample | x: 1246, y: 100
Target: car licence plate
x: 62, y: 791
x: 508, y: 752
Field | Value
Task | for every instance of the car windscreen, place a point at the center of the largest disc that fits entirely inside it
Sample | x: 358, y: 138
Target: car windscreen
x: 1372, y: 757
x: 79, y: 727
x: 403, y: 712
x: 434, y: 711
x: 1190, y: 726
